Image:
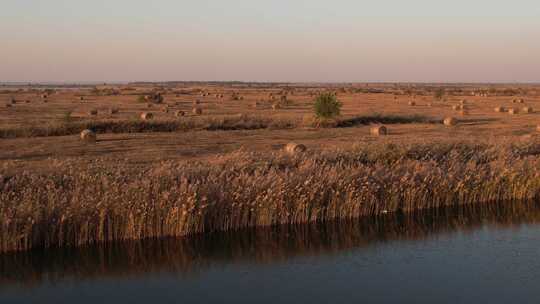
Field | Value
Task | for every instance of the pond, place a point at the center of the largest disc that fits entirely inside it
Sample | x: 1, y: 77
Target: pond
x: 487, y: 253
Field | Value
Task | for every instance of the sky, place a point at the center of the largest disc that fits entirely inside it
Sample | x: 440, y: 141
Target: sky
x: 270, y: 40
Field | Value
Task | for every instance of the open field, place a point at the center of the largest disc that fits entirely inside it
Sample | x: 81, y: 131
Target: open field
x: 225, y: 168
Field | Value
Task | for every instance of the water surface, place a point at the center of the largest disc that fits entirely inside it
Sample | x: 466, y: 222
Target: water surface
x: 469, y: 255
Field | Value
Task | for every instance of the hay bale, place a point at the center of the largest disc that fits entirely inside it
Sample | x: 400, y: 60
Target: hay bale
x: 412, y: 103
x: 197, y: 111
x: 521, y: 100
x: 500, y: 109
x: 464, y: 112
x: 81, y: 98
x: 294, y: 148
x: 378, y: 130
x: 463, y: 102
x: 527, y: 110
x: 179, y: 113
x: 276, y: 106
x: 165, y: 109
x: 112, y: 111
x: 44, y: 96
x: 450, y: 121
x: 146, y: 115
x: 456, y: 107
x: 196, y: 102
x: 88, y: 136
x: 93, y: 112
x: 148, y: 105
x: 513, y: 111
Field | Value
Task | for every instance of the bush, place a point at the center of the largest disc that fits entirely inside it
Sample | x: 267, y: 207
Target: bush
x: 439, y: 94
x: 327, y: 106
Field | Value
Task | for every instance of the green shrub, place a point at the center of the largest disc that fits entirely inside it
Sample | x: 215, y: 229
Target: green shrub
x: 327, y: 106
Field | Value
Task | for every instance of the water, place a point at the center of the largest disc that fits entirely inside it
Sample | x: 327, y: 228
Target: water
x: 479, y: 255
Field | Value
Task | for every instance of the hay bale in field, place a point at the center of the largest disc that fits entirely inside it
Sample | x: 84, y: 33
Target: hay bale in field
x: 463, y: 101
x: 81, y: 98
x: 88, y: 136
x: 44, y: 96
x: 378, y: 130
x: 456, y: 107
x: 294, y: 148
x: 179, y: 113
x: 429, y: 104
x: 276, y: 106
x: 197, y: 111
x: 521, y: 100
x: 146, y: 115
x: 112, y: 111
x: 165, y: 109
x: 500, y: 109
x: 527, y: 110
x: 464, y: 112
x: 93, y: 112
x: 412, y: 103
x: 513, y: 111
x: 196, y: 102
x: 450, y: 121
x: 148, y: 105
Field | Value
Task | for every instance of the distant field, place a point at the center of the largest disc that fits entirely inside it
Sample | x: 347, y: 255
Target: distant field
x: 226, y: 168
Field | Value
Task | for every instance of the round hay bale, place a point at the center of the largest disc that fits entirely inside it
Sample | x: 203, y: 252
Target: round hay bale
x: 165, y: 109
x: 429, y: 104
x: 464, y: 112
x: 93, y: 112
x: 412, y: 103
x: 179, y: 113
x: 88, y: 136
x: 527, y: 110
x: 81, y: 98
x: 112, y: 111
x: 500, y: 109
x: 197, y: 111
x: 294, y: 148
x: 146, y: 115
x: 148, y: 105
x: 44, y: 96
x: 513, y: 111
x: 378, y: 130
x: 521, y: 100
x: 196, y: 102
x: 276, y: 106
x: 450, y: 121
x: 463, y: 101
x: 456, y: 107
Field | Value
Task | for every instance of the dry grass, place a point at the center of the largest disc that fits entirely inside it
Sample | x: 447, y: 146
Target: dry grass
x: 78, y: 204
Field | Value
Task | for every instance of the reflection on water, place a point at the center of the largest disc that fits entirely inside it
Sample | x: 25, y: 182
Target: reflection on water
x: 200, y: 258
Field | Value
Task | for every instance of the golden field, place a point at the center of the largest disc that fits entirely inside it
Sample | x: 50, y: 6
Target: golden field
x: 226, y: 168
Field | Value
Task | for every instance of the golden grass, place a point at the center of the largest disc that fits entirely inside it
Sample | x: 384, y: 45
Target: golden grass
x: 79, y: 204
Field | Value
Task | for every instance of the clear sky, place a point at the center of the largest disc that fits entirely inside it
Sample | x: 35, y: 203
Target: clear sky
x: 270, y: 40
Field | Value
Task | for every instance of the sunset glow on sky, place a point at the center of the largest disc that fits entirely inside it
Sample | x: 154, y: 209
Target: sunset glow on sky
x: 295, y: 40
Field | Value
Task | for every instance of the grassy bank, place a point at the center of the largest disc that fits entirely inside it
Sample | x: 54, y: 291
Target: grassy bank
x: 233, y: 122
x: 78, y: 204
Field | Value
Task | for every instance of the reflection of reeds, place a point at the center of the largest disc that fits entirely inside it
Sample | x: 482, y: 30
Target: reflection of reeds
x: 186, y: 256
x: 84, y: 204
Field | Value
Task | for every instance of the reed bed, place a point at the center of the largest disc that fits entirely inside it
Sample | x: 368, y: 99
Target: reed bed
x: 265, y: 245
x: 78, y: 204
x: 213, y: 123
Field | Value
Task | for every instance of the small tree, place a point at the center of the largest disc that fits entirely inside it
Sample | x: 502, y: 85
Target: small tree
x: 439, y: 94
x: 327, y: 106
